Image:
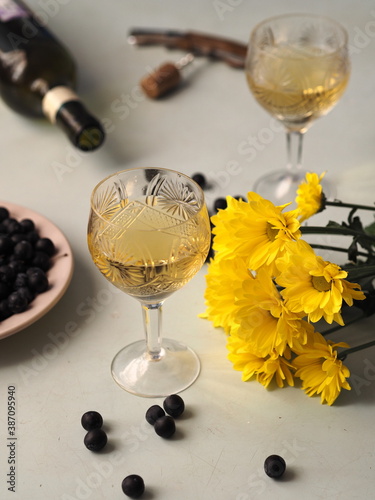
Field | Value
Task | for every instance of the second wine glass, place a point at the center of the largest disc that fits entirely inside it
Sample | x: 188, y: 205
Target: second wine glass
x: 297, y: 68
x: 149, y: 234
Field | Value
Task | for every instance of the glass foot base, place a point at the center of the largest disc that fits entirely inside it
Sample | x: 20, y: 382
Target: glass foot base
x: 281, y: 187
x: 138, y: 373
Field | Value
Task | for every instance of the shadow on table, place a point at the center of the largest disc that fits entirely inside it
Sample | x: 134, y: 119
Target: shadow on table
x: 362, y: 379
x: 57, y: 326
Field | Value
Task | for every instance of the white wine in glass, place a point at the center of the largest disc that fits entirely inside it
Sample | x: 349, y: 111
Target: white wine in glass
x: 297, y: 68
x: 149, y: 234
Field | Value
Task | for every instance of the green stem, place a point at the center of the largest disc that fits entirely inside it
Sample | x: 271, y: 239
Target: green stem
x: 339, y: 327
x: 348, y: 205
x: 342, y: 356
x: 337, y: 249
x: 360, y: 272
x: 345, y: 231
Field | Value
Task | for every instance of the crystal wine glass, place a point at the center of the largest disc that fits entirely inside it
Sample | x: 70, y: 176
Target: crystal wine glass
x: 297, y: 68
x: 149, y: 234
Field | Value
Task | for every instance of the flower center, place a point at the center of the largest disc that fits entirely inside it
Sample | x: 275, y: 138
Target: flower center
x: 321, y: 284
x: 271, y: 232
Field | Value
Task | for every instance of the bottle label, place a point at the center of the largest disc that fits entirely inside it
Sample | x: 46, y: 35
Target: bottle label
x: 54, y: 99
x: 10, y: 10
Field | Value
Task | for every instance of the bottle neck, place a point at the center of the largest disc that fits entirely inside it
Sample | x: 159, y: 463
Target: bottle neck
x: 62, y: 106
x: 55, y: 98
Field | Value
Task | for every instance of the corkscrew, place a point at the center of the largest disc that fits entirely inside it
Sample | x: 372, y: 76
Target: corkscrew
x: 168, y: 76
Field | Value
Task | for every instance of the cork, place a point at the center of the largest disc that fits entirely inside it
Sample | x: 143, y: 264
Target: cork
x: 164, y: 79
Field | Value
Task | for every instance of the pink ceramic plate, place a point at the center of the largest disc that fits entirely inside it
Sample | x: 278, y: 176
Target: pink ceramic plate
x: 59, y: 275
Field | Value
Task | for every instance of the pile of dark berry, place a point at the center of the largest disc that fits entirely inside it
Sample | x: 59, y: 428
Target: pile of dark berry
x: 25, y: 258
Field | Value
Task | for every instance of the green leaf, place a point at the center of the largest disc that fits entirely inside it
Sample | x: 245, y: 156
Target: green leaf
x: 332, y: 223
x: 370, y: 229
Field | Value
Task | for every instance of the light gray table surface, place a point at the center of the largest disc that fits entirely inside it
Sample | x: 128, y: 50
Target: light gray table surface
x: 230, y: 427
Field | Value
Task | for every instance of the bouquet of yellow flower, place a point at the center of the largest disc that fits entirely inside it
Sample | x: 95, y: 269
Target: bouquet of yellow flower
x: 266, y: 287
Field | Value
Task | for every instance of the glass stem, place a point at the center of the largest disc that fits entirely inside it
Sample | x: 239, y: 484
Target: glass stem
x: 152, y: 320
x: 294, y: 141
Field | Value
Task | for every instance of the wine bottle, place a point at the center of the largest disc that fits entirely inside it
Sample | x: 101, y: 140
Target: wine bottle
x: 38, y: 76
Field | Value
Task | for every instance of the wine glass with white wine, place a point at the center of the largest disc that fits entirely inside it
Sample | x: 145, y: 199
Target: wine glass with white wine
x: 297, y: 68
x: 149, y: 234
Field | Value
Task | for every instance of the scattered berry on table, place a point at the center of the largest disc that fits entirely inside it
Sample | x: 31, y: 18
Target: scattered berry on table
x: 200, y: 179
x: 220, y: 204
x: 274, y: 466
x: 95, y: 440
x: 165, y: 426
x: 91, y: 420
x: 153, y: 413
x: 174, y: 405
x: 133, y: 486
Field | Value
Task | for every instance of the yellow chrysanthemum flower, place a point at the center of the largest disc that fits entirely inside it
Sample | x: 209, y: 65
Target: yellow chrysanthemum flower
x: 278, y: 368
x: 320, y: 370
x: 310, y: 197
x: 265, y: 369
x: 224, y: 277
x: 315, y: 286
x: 264, y: 321
x: 256, y: 230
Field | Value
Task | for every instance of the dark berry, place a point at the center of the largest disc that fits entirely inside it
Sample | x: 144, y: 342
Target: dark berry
x: 165, y: 426
x: 17, y: 237
x: 174, y: 405
x: 6, y: 245
x: 7, y: 275
x: 12, y: 225
x: 32, y: 237
x: 27, y: 225
x: 274, y: 466
x: 24, y: 261
x: 18, y: 266
x: 4, y: 213
x: 34, y: 270
x: 153, y: 413
x: 4, y: 290
x: 41, y: 260
x: 5, y: 312
x: 91, y: 420
x: 25, y: 292
x: 220, y: 204
x: 17, y: 303
x: 20, y: 281
x: 38, y: 281
x: 23, y: 250
x: 200, y: 179
x: 45, y: 245
x: 133, y: 486
x: 95, y: 440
